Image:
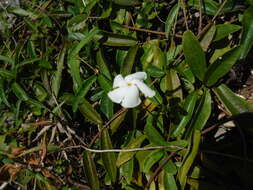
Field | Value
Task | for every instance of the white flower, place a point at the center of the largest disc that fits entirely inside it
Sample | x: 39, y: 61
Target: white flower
x: 126, y: 90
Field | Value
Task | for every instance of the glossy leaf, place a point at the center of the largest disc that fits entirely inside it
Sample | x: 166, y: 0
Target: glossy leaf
x: 247, y: 35
x: 154, y: 71
x: 126, y: 156
x: 208, y: 38
x: 223, y: 30
x: 19, y: 91
x: 89, y: 112
x: 129, y: 61
x: 171, y: 18
x: 194, y: 55
x: 109, y: 158
x: 106, y: 106
x: 189, y: 159
x: 100, y: 59
x: 222, y: 66
x: 117, y: 40
x: 233, y: 103
x: 203, y: 111
x: 90, y: 171
x: 83, y: 91
x: 74, y: 67
x: 127, y: 2
x: 57, y: 77
x: 169, y: 182
x: 209, y: 6
x: 152, y: 158
x: 7, y: 74
x: 189, y: 105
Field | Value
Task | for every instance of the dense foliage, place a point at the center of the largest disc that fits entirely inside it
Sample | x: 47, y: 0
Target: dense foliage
x: 60, y: 130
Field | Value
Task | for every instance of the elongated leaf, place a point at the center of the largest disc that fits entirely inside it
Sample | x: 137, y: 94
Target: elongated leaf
x: 84, y: 41
x: 153, y: 157
x: 153, y: 135
x: 154, y: 71
x: 188, y: 161
x: 247, y: 35
x: 117, y: 40
x: 89, y: 112
x: 171, y: 18
x: 57, y: 77
x: 83, y: 91
x: 126, y: 156
x: 169, y: 182
x: 207, y: 38
x: 189, y: 106
x: 209, y: 6
x: 222, y: 66
x: 203, y: 111
x: 114, y: 125
x: 3, y: 97
x: 194, y: 55
x: 100, y: 59
x: 127, y: 66
x: 90, y: 171
x: 127, y: 2
x: 104, y: 83
x: 127, y: 170
x: 7, y: 59
x: 106, y: 106
x: 19, y: 91
x: 74, y: 67
x: 109, y: 158
x: 7, y: 74
x: 233, y: 103
x: 223, y: 30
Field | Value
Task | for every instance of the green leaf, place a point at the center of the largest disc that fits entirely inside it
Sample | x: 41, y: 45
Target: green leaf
x: 19, y: 91
x: 109, y: 158
x: 171, y: 83
x: 90, y: 171
x: 100, y: 59
x: 127, y: 2
x: 106, y: 106
x: 83, y: 91
x: 114, y: 125
x: 209, y: 7
x: 7, y: 59
x: 203, y: 111
x: 129, y: 61
x: 89, y: 112
x: 104, y: 83
x: 153, y: 135
x: 74, y: 67
x: 127, y: 170
x: 194, y: 55
x: 117, y: 40
x: 189, y: 159
x: 7, y: 74
x: 221, y: 67
x: 84, y: 41
x: 247, y: 34
x: 3, y: 95
x: 126, y: 156
x: 171, y: 18
x: 152, y: 158
x: 223, y: 30
x: 57, y: 77
x: 169, y: 182
x: 232, y: 102
x: 207, y: 38
x: 154, y: 71
x: 189, y: 105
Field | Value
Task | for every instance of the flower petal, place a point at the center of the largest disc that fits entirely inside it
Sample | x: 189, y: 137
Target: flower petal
x: 131, y: 98
x: 138, y: 75
x: 118, y: 94
x: 119, y: 81
x: 148, y: 92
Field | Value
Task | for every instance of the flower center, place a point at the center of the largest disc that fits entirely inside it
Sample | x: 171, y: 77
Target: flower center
x: 130, y: 83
